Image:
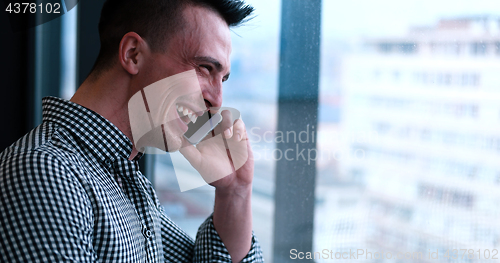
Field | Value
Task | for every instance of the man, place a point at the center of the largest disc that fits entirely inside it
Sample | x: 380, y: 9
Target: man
x: 71, y: 190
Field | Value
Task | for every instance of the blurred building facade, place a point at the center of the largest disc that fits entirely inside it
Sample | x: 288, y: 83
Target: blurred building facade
x: 420, y: 128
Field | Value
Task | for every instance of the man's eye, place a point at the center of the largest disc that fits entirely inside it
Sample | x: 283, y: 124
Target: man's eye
x: 206, y: 67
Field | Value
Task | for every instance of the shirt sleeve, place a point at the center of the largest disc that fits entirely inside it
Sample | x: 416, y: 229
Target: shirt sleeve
x: 177, y: 245
x: 40, y: 220
x: 210, y: 248
x: 207, y: 248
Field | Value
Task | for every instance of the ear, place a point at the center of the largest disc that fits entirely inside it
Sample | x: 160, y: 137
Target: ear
x: 131, y: 52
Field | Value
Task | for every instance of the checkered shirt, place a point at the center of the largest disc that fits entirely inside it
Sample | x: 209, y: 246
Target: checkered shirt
x: 70, y: 194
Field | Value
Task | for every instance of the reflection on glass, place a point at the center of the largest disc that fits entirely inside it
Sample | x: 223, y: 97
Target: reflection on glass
x: 415, y: 161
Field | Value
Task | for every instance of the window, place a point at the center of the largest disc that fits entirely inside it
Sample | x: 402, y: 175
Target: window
x: 478, y: 48
x: 426, y: 168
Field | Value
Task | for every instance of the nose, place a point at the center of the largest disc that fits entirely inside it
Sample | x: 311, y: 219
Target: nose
x: 213, y: 94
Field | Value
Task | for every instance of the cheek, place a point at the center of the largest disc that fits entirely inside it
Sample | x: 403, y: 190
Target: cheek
x: 168, y: 110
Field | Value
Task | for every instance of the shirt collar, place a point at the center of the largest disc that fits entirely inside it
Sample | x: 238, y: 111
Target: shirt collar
x: 95, y: 132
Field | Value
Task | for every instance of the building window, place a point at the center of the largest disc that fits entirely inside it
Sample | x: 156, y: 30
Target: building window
x: 478, y: 48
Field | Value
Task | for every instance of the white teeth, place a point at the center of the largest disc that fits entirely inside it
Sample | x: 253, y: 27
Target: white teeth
x: 192, y: 117
x: 187, y: 112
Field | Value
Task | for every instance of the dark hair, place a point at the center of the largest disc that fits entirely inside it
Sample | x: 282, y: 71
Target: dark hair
x: 155, y: 21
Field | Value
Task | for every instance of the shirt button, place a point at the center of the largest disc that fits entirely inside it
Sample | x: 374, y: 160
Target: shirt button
x: 108, y: 163
x: 147, y: 233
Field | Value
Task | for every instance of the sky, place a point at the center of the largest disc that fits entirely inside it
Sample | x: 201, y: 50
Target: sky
x: 343, y: 19
x: 353, y: 18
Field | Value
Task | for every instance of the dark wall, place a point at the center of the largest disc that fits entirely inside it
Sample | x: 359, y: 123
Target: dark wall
x: 89, y: 12
x: 20, y: 103
x: 15, y: 87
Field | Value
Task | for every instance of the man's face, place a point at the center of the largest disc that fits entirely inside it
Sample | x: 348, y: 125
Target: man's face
x: 204, y: 45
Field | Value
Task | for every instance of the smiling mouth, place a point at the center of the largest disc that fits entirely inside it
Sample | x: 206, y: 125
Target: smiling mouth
x: 186, y: 114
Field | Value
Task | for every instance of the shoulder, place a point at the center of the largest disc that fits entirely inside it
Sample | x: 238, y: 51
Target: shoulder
x: 37, y: 178
x: 41, y: 158
x: 45, y: 144
x: 43, y: 199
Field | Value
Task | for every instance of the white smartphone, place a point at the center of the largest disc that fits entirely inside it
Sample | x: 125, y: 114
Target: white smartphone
x: 204, y: 124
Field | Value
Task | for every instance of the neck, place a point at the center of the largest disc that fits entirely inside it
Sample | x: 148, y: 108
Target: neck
x: 108, y: 95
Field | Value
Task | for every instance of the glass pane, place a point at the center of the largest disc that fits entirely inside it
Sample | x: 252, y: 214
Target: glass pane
x: 252, y: 89
x: 68, y: 53
x: 408, y: 134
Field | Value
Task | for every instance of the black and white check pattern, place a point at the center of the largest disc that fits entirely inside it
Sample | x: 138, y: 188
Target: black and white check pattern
x: 70, y: 194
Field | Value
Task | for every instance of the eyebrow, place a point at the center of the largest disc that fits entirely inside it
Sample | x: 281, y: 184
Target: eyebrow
x: 215, y: 62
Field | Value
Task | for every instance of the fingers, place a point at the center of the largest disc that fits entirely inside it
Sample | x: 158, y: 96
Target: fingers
x: 214, y: 110
x: 236, y: 130
x: 239, y: 130
x: 226, y: 124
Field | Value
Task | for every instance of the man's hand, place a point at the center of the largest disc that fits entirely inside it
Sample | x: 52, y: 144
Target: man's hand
x: 224, y: 158
x: 225, y: 161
